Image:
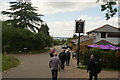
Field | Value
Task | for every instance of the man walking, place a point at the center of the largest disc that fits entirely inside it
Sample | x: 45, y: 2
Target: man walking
x: 62, y: 57
x: 68, y: 56
x: 54, y: 64
x: 92, y: 68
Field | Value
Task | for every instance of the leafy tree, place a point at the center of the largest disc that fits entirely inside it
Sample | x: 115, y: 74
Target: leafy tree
x: 75, y: 36
x: 109, y: 7
x: 64, y: 41
x: 44, y: 28
x: 15, y: 39
x: 56, y: 42
x: 23, y: 15
x: 49, y: 41
x: 39, y: 42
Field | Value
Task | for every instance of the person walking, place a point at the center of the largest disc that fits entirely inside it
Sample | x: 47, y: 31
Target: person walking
x: 52, y: 53
x: 54, y: 64
x: 73, y: 54
x: 62, y: 57
x: 92, y: 69
x: 68, y: 56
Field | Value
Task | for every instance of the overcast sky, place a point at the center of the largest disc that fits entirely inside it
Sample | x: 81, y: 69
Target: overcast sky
x: 60, y: 15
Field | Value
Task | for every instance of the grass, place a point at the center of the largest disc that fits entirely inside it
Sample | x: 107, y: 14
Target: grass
x: 9, y: 62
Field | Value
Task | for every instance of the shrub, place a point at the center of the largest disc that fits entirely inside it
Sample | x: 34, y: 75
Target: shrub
x: 109, y: 58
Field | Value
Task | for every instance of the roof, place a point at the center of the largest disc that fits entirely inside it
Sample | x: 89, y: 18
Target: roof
x: 105, y: 28
x: 104, y: 42
x: 82, y: 39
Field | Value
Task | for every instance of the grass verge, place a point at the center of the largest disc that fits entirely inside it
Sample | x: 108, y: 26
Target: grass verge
x: 9, y: 62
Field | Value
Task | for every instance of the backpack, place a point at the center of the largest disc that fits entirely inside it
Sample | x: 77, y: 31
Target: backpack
x: 51, y: 55
x: 98, y: 64
x: 62, y: 56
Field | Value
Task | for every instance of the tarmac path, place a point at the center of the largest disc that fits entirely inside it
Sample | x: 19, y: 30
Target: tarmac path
x: 36, y: 66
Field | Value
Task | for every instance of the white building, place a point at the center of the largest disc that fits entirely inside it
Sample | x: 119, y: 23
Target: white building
x: 106, y: 34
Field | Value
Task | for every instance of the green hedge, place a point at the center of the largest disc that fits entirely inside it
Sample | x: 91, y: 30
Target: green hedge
x: 109, y: 58
x: 16, y: 40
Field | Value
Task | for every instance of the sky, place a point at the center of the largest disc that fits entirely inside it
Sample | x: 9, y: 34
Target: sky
x: 60, y: 15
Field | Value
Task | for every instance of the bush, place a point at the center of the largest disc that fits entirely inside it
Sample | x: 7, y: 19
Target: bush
x: 109, y: 58
x: 56, y: 42
x: 17, y: 40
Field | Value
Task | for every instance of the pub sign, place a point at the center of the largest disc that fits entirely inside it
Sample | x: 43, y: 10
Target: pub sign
x: 79, y: 26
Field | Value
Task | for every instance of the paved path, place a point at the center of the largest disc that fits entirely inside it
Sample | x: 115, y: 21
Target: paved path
x: 73, y: 72
x: 36, y: 66
x: 32, y: 66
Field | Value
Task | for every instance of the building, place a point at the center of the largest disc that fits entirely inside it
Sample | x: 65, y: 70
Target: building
x: 106, y: 34
x: 84, y: 41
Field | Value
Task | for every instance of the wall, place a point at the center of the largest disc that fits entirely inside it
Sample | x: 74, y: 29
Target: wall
x: 109, y: 39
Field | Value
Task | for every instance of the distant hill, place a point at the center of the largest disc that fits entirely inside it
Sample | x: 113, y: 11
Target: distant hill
x: 60, y: 38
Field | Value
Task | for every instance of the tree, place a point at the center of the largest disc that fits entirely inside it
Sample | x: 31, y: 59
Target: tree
x: 23, y: 15
x: 16, y: 39
x: 75, y: 36
x: 44, y: 28
x: 109, y: 7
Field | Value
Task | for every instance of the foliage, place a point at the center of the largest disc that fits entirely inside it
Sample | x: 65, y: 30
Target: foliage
x: 75, y: 36
x: 23, y: 15
x: 44, y: 28
x: 56, y: 42
x: 19, y: 31
x: 109, y: 7
x: 109, y: 58
x: 23, y: 40
x: 64, y: 42
x: 9, y: 62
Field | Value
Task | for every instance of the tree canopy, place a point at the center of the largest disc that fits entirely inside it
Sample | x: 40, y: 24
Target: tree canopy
x: 109, y: 7
x: 23, y: 15
x: 24, y: 30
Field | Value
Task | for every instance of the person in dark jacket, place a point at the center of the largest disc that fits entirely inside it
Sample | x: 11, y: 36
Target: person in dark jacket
x: 68, y: 56
x: 62, y: 57
x: 91, y: 68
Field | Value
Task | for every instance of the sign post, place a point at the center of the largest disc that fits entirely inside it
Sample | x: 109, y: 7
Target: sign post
x: 79, y: 29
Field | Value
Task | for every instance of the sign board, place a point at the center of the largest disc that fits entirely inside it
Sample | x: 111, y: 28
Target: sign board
x: 79, y: 26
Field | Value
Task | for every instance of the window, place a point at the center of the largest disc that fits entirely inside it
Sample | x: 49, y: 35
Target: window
x: 114, y: 35
x: 103, y: 35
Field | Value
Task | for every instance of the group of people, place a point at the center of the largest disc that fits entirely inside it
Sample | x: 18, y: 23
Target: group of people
x: 57, y: 62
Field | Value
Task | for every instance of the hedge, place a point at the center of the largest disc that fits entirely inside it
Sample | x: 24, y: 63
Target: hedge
x: 109, y: 58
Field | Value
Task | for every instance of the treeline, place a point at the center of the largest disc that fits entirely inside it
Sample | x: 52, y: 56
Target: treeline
x: 24, y: 30
x: 19, y: 39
